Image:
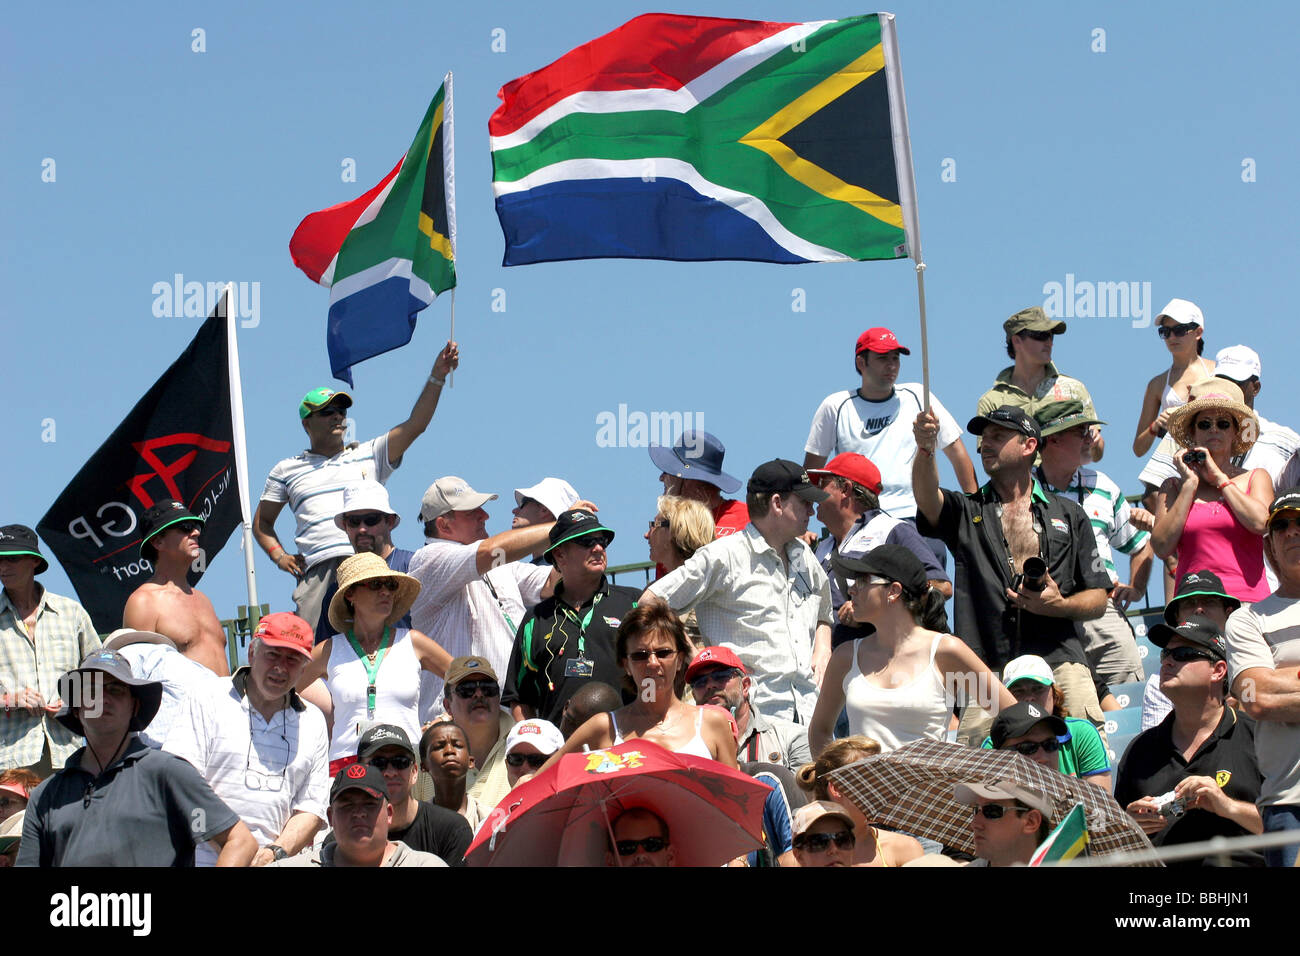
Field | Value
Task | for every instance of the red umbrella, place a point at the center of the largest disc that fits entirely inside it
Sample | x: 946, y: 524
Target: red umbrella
x: 562, y: 816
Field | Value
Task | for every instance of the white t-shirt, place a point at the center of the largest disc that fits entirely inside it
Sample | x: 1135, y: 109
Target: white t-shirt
x: 882, y: 431
x: 1267, y: 634
x: 312, y: 485
x: 180, y: 677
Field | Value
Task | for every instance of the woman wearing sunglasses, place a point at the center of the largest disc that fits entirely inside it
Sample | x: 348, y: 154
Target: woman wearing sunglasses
x: 653, y: 651
x: 370, y: 667
x: 1181, y: 327
x: 823, y: 835
x: 900, y: 682
x: 1213, y: 517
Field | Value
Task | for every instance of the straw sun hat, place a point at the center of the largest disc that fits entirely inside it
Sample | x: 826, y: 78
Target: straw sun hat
x: 1216, y: 394
x: 364, y: 567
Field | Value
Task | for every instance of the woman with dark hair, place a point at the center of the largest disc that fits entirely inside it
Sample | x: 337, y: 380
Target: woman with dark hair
x: 653, y: 651
x: 898, y: 684
x: 1182, y: 328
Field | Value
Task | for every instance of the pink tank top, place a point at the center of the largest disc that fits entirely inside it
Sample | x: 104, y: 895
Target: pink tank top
x: 1214, y: 540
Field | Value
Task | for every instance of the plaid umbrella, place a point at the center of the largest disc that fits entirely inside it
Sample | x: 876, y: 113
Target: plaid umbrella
x: 911, y: 789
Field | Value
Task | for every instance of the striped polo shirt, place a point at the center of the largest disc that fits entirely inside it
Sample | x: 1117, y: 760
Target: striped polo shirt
x: 1108, y: 513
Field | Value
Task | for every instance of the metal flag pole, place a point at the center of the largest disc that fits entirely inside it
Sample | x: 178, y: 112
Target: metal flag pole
x: 241, y: 450
x: 449, y: 171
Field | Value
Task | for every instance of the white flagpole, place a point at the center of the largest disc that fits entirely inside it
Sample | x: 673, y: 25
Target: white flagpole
x: 241, y: 447
x: 906, y: 179
x: 449, y: 171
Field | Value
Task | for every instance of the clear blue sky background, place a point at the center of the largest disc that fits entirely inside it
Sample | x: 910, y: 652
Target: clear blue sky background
x: 1123, y: 165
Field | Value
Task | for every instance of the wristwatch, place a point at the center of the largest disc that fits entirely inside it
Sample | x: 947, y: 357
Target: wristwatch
x: 278, y: 852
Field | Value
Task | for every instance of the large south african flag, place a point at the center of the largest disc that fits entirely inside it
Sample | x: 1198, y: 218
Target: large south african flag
x: 695, y: 138
x: 388, y: 253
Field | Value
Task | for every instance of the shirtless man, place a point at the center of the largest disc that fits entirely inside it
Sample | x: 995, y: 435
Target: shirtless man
x: 167, y: 604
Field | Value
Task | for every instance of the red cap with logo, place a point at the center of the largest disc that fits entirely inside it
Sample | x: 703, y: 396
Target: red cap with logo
x: 718, y: 656
x: 856, y: 468
x: 283, y: 629
x: 879, y: 339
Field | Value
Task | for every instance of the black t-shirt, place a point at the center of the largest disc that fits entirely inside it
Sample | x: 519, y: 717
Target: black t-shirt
x: 437, y: 830
x: 1153, y: 766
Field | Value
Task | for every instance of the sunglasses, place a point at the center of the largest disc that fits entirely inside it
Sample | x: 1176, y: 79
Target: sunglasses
x: 591, y: 540
x: 1165, y: 331
x: 1222, y: 424
x: 379, y: 584
x: 650, y: 844
x: 1036, y: 336
x: 533, y: 760
x: 467, y: 688
x: 658, y: 523
x: 188, y: 527
x: 335, y: 409
x: 1028, y: 748
x: 400, y: 762
x: 662, y: 653
x: 821, y: 842
x: 370, y: 520
x: 1278, y: 525
x: 1184, y: 655
x: 719, y: 675
x: 995, y: 811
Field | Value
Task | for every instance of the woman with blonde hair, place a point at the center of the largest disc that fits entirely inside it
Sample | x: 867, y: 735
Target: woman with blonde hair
x: 682, y: 527
x: 873, y: 847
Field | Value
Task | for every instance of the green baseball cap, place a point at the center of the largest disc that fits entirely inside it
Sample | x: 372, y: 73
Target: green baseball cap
x: 1057, y: 416
x: 1033, y: 319
x: 318, y: 398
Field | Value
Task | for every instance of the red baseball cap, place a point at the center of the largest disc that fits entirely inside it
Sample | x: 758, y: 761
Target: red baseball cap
x: 714, y: 657
x: 856, y: 468
x: 283, y: 629
x: 879, y: 339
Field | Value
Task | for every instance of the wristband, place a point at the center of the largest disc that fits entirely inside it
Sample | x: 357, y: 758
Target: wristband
x: 928, y: 451
x: 1152, y: 429
x: 440, y: 382
x: 1219, y: 488
x: 274, y: 550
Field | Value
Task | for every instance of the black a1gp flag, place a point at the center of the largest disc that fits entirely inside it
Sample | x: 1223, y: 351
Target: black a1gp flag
x: 178, y: 442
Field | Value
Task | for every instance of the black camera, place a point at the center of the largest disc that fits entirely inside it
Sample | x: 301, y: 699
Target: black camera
x: 1032, y: 576
x: 1194, y: 458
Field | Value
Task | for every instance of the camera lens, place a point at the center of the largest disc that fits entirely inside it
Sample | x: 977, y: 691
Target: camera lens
x: 1035, y: 572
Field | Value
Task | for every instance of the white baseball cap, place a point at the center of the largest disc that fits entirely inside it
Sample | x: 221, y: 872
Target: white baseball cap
x: 1237, y: 362
x: 451, y: 494
x: 1183, y: 312
x: 554, y: 494
x: 366, y: 496
x: 968, y: 794
x: 1027, y: 667
x: 542, y: 734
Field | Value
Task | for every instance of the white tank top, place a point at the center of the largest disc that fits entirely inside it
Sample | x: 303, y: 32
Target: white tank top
x: 397, y: 692
x: 893, y: 716
x: 696, y: 746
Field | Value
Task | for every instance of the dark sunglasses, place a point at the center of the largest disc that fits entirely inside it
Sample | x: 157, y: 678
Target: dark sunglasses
x: 1280, y: 524
x: 379, y: 584
x: 821, y: 842
x: 1165, y: 331
x: 1037, y: 336
x: 1028, y: 748
x: 651, y: 845
x: 1222, y: 424
x: 400, y: 762
x: 369, y: 520
x: 335, y: 409
x: 719, y: 675
x: 1184, y: 655
x: 533, y: 760
x: 995, y: 811
x: 466, y: 688
x: 658, y: 523
x: 662, y: 653
x: 591, y: 540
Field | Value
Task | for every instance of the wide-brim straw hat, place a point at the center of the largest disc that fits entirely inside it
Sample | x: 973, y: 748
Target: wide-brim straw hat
x: 1215, y: 394
x: 364, y: 567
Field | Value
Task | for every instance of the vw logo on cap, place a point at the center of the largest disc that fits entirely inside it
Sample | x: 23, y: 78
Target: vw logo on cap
x: 356, y: 771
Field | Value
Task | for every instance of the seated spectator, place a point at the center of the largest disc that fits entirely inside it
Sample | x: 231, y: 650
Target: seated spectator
x: 872, y: 846
x: 1081, y: 752
x: 640, y: 839
x: 473, y: 701
x: 1215, y: 788
x: 594, y: 697
x: 16, y: 787
x: 681, y: 527
x: 717, y: 676
x: 1008, y: 820
x: 823, y: 835
x: 155, y: 657
x: 11, y: 835
x: 447, y: 760
x: 359, y: 813
x: 1213, y: 517
x: 529, y: 745
x: 916, y: 670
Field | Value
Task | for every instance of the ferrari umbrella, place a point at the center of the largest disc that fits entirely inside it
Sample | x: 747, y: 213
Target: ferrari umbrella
x: 911, y: 789
x: 563, y: 816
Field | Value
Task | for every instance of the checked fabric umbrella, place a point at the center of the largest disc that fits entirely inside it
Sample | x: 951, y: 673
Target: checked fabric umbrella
x: 911, y: 789
x: 562, y: 816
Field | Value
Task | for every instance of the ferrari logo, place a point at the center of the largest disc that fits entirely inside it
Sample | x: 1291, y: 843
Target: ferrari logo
x: 1222, y: 777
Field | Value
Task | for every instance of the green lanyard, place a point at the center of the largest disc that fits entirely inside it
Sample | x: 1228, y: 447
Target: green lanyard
x: 371, y: 669
x: 582, y: 625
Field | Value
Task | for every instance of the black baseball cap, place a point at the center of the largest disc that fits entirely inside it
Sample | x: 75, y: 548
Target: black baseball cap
x: 380, y: 736
x: 891, y: 561
x: 1198, y: 630
x: 359, y: 776
x: 1288, y: 500
x: 1008, y: 416
x: 575, y: 523
x: 1019, y: 720
x: 158, y: 518
x: 17, y: 540
x: 780, y: 476
x: 1198, y: 584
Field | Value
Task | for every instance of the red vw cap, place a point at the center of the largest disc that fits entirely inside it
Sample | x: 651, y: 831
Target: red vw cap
x: 714, y: 657
x: 283, y: 629
x: 856, y: 468
x: 879, y: 339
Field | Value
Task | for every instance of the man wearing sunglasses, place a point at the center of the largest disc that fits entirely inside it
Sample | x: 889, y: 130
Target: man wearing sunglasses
x: 1264, y: 667
x: 311, y: 483
x: 167, y: 603
x: 640, y: 839
x: 528, y: 746
x: 260, y: 747
x: 473, y: 700
x: 1195, y: 775
x: 1033, y: 379
x: 1008, y: 820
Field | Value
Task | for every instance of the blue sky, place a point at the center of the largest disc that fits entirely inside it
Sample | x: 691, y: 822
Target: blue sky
x: 1126, y: 165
